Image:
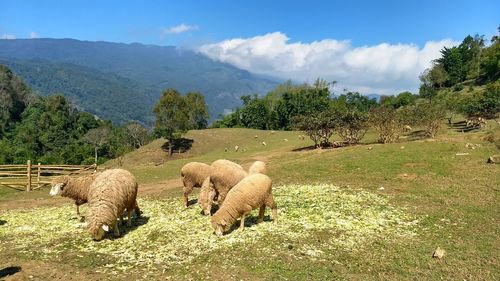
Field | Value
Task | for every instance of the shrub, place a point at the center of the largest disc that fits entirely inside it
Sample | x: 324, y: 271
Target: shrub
x: 430, y: 116
x: 387, y: 122
x: 318, y: 126
x: 352, y: 126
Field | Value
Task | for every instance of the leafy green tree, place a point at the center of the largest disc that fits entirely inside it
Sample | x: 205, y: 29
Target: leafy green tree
x: 352, y: 125
x: 319, y: 126
x: 427, y: 89
x: 254, y: 113
x: 438, y: 75
x: 388, y: 123
x: 451, y: 59
x: 198, y: 113
x: 172, y: 117
x: 430, y: 116
x: 483, y: 104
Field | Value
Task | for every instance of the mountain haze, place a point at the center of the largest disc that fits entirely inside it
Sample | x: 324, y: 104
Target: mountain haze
x: 122, y: 82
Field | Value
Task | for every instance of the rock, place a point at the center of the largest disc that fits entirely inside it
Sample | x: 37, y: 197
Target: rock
x: 285, y: 139
x: 494, y: 159
x: 438, y: 253
x: 264, y: 143
x: 381, y: 188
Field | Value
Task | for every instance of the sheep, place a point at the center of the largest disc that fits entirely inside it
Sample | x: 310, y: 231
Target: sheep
x: 193, y: 174
x: 111, y: 193
x: 264, y: 143
x: 236, y: 148
x: 407, y: 128
x: 76, y: 188
x: 225, y: 162
x: 208, y: 192
x: 254, y: 191
x: 257, y: 167
x: 225, y: 174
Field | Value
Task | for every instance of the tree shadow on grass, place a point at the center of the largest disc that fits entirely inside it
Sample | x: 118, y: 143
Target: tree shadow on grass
x: 417, y: 135
x: 179, y: 145
x: 2, y: 222
x: 461, y: 126
x: 11, y: 270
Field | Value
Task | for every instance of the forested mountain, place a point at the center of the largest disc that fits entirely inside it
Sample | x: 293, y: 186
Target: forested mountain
x: 123, y: 81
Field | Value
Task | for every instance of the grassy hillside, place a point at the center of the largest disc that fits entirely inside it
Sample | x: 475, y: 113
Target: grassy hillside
x: 369, y: 211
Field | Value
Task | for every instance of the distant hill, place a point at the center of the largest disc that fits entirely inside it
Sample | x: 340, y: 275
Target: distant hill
x: 122, y: 82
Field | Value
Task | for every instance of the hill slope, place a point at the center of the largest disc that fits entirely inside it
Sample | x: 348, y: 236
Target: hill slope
x: 134, y: 74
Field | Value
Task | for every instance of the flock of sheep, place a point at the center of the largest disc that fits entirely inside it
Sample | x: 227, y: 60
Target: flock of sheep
x: 112, y: 192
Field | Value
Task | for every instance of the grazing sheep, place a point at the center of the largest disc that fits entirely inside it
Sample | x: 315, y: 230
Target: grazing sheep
x: 255, y: 137
x: 257, y: 167
x: 225, y: 162
x: 76, y: 188
x: 301, y: 137
x: 193, y: 174
x: 111, y: 193
x: 236, y: 148
x: 254, y: 191
x: 208, y: 192
x: 406, y: 128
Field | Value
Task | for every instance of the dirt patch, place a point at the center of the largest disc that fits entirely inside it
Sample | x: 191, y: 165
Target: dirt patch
x: 416, y: 165
x: 158, y: 188
x: 406, y: 176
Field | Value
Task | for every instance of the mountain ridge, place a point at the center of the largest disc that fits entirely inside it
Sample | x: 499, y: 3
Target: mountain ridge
x: 140, y: 71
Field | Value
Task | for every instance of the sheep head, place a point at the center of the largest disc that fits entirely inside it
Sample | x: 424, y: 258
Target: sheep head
x: 58, y: 185
x: 98, y: 233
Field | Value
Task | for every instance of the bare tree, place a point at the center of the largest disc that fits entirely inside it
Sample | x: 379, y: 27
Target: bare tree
x: 137, y: 134
x: 97, y: 137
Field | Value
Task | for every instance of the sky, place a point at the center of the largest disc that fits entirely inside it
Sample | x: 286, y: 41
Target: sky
x: 367, y: 46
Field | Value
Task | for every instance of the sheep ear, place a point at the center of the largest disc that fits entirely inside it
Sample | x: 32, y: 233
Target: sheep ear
x: 105, y: 227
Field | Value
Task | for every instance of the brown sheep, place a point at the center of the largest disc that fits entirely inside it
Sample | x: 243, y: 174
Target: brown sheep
x: 208, y: 192
x: 193, y: 174
x: 111, y: 193
x: 254, y: 191
x: 257, y: 167
x: 76, y: 188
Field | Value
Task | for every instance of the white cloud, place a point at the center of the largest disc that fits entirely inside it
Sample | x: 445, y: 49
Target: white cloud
x: 384, y: 68
x: 8, y: 36
x: 179, y: 29
x: 33, y: 35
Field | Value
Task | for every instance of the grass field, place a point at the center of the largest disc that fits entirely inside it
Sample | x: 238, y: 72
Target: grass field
x: 365, y: 212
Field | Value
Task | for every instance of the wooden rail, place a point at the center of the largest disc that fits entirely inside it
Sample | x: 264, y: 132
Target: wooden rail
x: 23, y: 176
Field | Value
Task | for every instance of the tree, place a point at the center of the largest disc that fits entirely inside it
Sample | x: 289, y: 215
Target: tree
x: 198, y: 110
x: 137, y: 134
x: 388, y: 122
x: 352, y: 125
x: 318, y: 126
x: 451, y: 59
x: 172, y: 117
x: 97, y: 137
x: 427, y: 89
x: 430, y: 116
x: 255, y: 113
x: 438, y: 75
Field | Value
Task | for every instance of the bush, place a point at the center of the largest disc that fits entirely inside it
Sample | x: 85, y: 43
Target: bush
x: 483, y: 104
x: 352, y: 126
x: 458, y: 87
x: 318, y: 126
x: 430, y: 116
x: 387, y: 122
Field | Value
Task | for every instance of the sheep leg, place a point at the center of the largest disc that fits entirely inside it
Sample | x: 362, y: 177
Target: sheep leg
x: 187, y: 190
x: 242, y: 222
x: 129, y: 217
x: 78, y: 209
x: 137, y: 210
x: 262, y: 210
x: 272, y: 205
x: 116, y: 230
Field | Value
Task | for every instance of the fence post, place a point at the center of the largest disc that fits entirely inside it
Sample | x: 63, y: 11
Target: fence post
x: 28, y: 186
x: 38, y: 175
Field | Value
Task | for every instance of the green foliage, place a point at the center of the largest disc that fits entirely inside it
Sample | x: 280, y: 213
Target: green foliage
x: 482, y: 104
x: 175, y: 115
x: 430, y: 116
x: 401, y: 100
x: 46, y: 130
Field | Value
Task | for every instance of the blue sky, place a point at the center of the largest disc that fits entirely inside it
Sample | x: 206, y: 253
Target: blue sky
x: 283, y: 38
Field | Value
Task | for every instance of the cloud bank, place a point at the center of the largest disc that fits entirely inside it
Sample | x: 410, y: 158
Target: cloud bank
x: 383, y: 68
x: 181, y: 28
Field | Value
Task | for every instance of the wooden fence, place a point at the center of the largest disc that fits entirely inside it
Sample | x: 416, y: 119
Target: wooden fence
x: 35, y: 176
